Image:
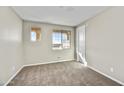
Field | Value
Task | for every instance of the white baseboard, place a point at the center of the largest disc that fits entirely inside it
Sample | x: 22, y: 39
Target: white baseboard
x: 33, y: 65
x: 106, y: 75
x: 13, y: 76
x: 48, y: 62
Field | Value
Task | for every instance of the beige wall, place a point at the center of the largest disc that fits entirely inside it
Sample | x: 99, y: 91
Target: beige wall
x: 10, y: 44
x: 105, y: 42
x: 41, y: 52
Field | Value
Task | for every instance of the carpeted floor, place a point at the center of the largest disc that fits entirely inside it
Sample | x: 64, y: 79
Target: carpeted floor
x: 60, y: 74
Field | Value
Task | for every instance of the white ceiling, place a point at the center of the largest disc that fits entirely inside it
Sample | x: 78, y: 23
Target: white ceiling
x: 62, y: 15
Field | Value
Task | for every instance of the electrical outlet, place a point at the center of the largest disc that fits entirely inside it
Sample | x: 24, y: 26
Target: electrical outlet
x: 111, y: 69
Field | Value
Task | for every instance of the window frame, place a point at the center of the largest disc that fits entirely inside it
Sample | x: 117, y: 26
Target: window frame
x: 38, y: 30
x: 62, y: 31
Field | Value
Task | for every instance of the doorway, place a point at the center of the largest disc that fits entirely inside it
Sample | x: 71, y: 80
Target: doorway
x: 80, y: 44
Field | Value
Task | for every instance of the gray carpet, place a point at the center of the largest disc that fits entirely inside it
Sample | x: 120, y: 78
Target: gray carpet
x: 60, y: 74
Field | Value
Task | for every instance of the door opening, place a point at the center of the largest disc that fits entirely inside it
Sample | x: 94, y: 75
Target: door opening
x: 80, y: 44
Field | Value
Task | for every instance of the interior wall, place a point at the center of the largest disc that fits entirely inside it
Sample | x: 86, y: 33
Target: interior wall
x: 10, y: 44
x: 41, y: 52
x: 104, y: 42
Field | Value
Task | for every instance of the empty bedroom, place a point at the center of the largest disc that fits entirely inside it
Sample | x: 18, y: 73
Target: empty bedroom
x: 61, y: 45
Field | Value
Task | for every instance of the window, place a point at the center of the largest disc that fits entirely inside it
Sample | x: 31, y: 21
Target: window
x: 61, y: 39
x: 35, y: 34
